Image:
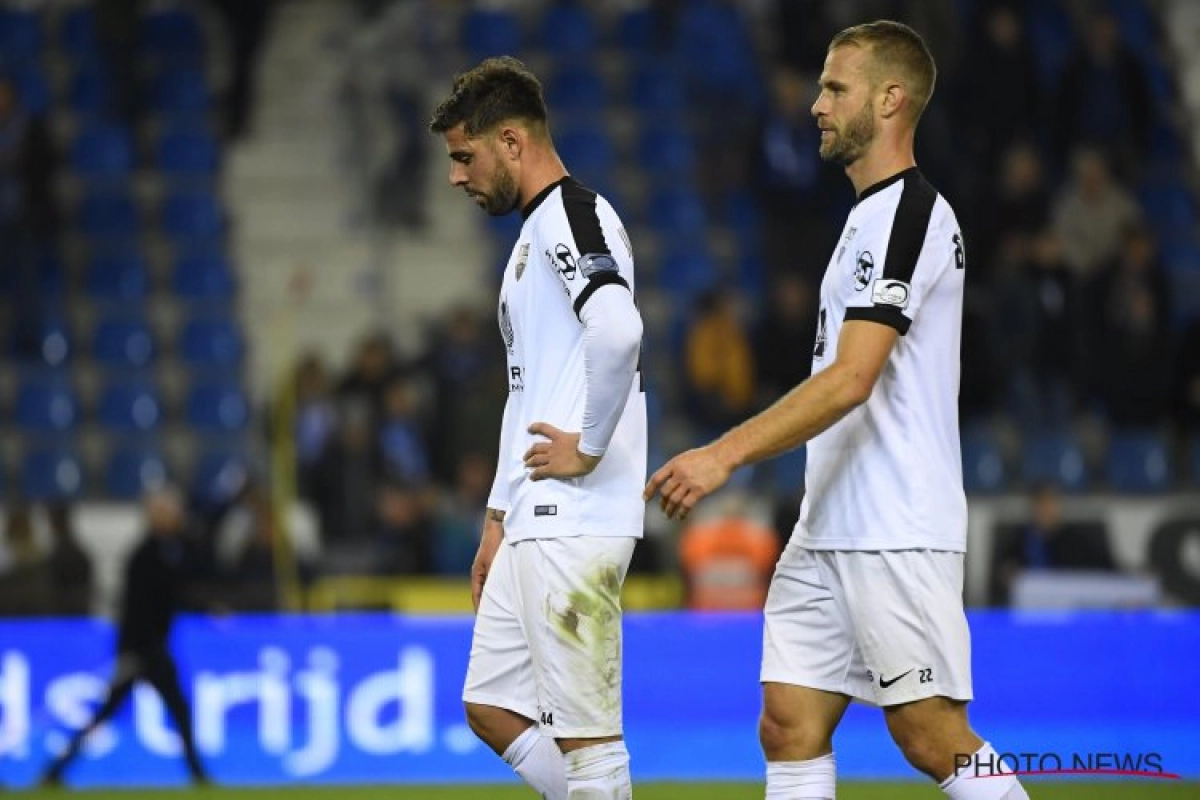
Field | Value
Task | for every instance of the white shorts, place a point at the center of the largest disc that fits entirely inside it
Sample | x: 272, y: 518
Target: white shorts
x: 884, y: 627
x: 547, y: 641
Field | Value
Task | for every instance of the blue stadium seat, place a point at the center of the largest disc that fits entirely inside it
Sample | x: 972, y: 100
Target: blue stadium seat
x: 109, y: 216
x: 1181, y: 255
x: 714, y: 47
x: 490, y: 32
x: 46, y: 404
x: 687, y: 271
x: 982, y: 463
x: 130, y: 472
x: 123, y: 342
x: 1138, y: 462
x: 1052, y: 38
x: 568, y: 32
x: 217, y: 407
x: 1137, y: 25
x: 1054, y: 458
x: 78, y: 33
x: 41, y: 277
x: 129, y: 406
x: 665, y: 152
x: 172, y: 36
x: 103, y: 150
x: 576, y: 89
x: 21, y: 36
x: 33, y: 89
x: 193, y: 215
x: 204, y: 276
x: 637, y: 29
x: 211, y: 343
x: 180, y: 92
x: 117, y: 276
x: 675, y: 210
x: 187, y: 153
x: 656, y: 90
x: 41, y: 337
x: 1169, y: 206
x: 586, y: 150
x: 90, y: 91
x: 218, y: 475
x: 51, y: 474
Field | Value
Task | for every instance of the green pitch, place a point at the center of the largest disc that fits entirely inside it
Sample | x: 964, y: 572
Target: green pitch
x: 1129, y: 790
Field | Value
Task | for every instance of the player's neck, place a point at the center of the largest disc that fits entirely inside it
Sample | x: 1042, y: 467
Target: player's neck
x: 879, y: 164
x: 541, y: 171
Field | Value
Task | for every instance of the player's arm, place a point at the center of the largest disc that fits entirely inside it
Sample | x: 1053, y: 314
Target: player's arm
x: 497, y: 507
x: 612, y: 339
x: 801, y: 414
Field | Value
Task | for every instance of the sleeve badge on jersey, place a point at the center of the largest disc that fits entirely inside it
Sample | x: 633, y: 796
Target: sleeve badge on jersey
x: 592, y: 263
x: 522, y: 257
x: 890, y: 293
x: 565, y: 261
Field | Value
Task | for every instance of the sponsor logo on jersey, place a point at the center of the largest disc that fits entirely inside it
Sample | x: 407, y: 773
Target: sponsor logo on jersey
x: 864, y: 268
x: 592, y: 263
x: 522, y: 257
x: 566, y: 261
x: 890, y: 293
x: 506, y: 328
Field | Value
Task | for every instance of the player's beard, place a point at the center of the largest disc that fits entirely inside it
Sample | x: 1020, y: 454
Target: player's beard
x: 851, y: 142
x: 504, y: 195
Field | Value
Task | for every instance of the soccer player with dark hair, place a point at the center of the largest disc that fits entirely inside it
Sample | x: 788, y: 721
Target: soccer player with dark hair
x: 866, y: 601
x: 543, y: 686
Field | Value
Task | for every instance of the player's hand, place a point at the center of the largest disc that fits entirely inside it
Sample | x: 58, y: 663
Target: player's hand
x: 489, y: 543
x: 686, y: 479
x: 559, y: 457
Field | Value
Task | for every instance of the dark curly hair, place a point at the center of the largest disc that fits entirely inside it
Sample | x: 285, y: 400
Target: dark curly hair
x: 496, y: 90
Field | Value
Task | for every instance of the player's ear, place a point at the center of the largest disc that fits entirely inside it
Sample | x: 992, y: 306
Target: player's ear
x: 511, y: 142
x: 892, y: 100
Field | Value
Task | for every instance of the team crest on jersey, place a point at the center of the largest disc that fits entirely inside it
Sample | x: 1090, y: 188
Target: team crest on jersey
x: 565, y: 261
x: 522, y: 257
x: 863, y: 269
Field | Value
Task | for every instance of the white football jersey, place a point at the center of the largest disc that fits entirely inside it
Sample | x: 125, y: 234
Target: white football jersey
x: 888, y: 476
x: 572, y: 243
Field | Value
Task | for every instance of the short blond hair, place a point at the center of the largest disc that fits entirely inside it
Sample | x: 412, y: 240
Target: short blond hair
x: 896, y: 51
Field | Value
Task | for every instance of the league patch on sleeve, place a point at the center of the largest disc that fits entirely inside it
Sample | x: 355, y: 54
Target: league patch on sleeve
x: 593, y: 263
x: 890, y: 293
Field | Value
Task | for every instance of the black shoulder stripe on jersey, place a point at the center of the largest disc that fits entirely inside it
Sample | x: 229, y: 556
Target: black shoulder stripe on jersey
x: 909, y: 227
x: 579, y: 203
x: 884, y: 315
x: 598, y: 280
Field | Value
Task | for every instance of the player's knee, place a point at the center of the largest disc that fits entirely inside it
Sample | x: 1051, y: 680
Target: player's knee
x: 785, y: 739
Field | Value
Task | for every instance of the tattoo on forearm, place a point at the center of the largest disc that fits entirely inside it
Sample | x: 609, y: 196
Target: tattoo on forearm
x: 495, y: 514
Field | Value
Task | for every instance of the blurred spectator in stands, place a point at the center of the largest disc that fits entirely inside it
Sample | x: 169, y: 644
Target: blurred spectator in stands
x: 403, y: 538
x: 256, y: 543
x: 1010, y: 314
x: 999, y: 99
x: 344, y: 479
x: 1047, y: 541
x: 1092, y: 213
x: 458, y: 518
x: 465, y: 361
x: 26, y: 588
x: 247, y: 21
x: 719, y: 363
x: 1104, y: 97
x: 1132, y: 334
x: 403, y: 450
x: 70, y: 566
x: 791, y: 184
x: 1018, y: 206
x: 374, y: 365
x: 1048, y: 382
x: 157, y: 587
x: 315, y: 417
x: 727, y: 560
x: 1187, y: 380
x: 118, y: 26
x: 784, y: 341
x: 28, y: 211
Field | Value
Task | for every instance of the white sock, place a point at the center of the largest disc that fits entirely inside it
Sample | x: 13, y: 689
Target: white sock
x: 539, y: 762
x: 599, y: 772
x: 802, y: 780
x: 985, y: 778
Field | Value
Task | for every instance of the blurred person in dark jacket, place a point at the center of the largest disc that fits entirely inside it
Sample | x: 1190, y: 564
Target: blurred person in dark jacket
x: 156, y: 581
